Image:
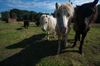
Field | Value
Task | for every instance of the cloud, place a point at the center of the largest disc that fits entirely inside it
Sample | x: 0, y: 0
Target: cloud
x: 79, y: 2
x: 44, y: 5
x: 47, y: 4
x: 19, y: 3
x: 31, y: 4
x: 38, y: 5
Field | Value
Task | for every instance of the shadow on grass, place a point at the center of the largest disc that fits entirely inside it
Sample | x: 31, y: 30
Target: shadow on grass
x: 34, y: 50
x: 27, y: 42
x: 19, y: 28
x: 71, y: 50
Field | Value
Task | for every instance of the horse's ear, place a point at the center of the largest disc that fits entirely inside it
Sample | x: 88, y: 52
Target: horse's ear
x: 71, y: 3
x: 76, y: 5
x: 57, y: 5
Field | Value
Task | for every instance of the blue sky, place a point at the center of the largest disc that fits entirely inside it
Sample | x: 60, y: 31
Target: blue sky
x: 36, y: 5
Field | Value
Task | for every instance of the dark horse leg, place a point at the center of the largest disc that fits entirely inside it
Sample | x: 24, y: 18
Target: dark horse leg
x: 82, y: 42
x: 77, y: 37
x: 63, y: 42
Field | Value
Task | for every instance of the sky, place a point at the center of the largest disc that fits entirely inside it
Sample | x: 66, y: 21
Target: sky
x: 45, y: 6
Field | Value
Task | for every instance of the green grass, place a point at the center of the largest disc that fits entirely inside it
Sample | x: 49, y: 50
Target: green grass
x: 25, y: 47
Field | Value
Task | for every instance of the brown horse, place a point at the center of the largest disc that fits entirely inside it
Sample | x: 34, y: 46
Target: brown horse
x: 84, y: 16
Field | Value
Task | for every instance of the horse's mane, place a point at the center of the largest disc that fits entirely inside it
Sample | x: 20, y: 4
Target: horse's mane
x: 68, y: 7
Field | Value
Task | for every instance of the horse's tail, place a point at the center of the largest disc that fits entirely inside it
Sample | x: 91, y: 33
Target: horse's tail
x: 95, y: 2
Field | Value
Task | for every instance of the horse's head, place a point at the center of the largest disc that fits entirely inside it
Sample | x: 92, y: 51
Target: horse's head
x: 83, y: 12
x: 63, y: 13
x: 44, y: 22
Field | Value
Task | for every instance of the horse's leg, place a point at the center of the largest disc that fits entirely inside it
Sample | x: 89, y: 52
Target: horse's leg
x: 48, y: 38
x: 59, y: 44
x: 82, y: 42
x: 64, y: 41
x: 69, y: 29
x: 26, y: 26
x: 53, y: 35
x: 77, y: 35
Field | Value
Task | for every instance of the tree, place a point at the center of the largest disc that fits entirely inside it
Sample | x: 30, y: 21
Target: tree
x: 5, y: 15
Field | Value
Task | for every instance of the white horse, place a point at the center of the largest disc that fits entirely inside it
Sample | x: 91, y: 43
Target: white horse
x: 48, y: 24
x: 63, y: 14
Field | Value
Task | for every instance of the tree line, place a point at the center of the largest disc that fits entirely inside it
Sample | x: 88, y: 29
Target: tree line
x: 19, y: 14
x: 31, y: 15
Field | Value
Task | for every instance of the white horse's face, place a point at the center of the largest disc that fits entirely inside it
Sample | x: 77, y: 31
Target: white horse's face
x: 44, y: 22
x: 62, y: 16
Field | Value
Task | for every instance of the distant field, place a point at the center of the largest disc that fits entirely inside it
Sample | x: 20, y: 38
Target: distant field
x: 25, y: 47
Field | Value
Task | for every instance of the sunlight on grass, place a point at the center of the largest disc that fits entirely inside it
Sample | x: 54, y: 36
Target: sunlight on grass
x: 17, y: 42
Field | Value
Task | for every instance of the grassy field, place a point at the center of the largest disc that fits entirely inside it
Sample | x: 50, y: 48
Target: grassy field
x: 25, y: 47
